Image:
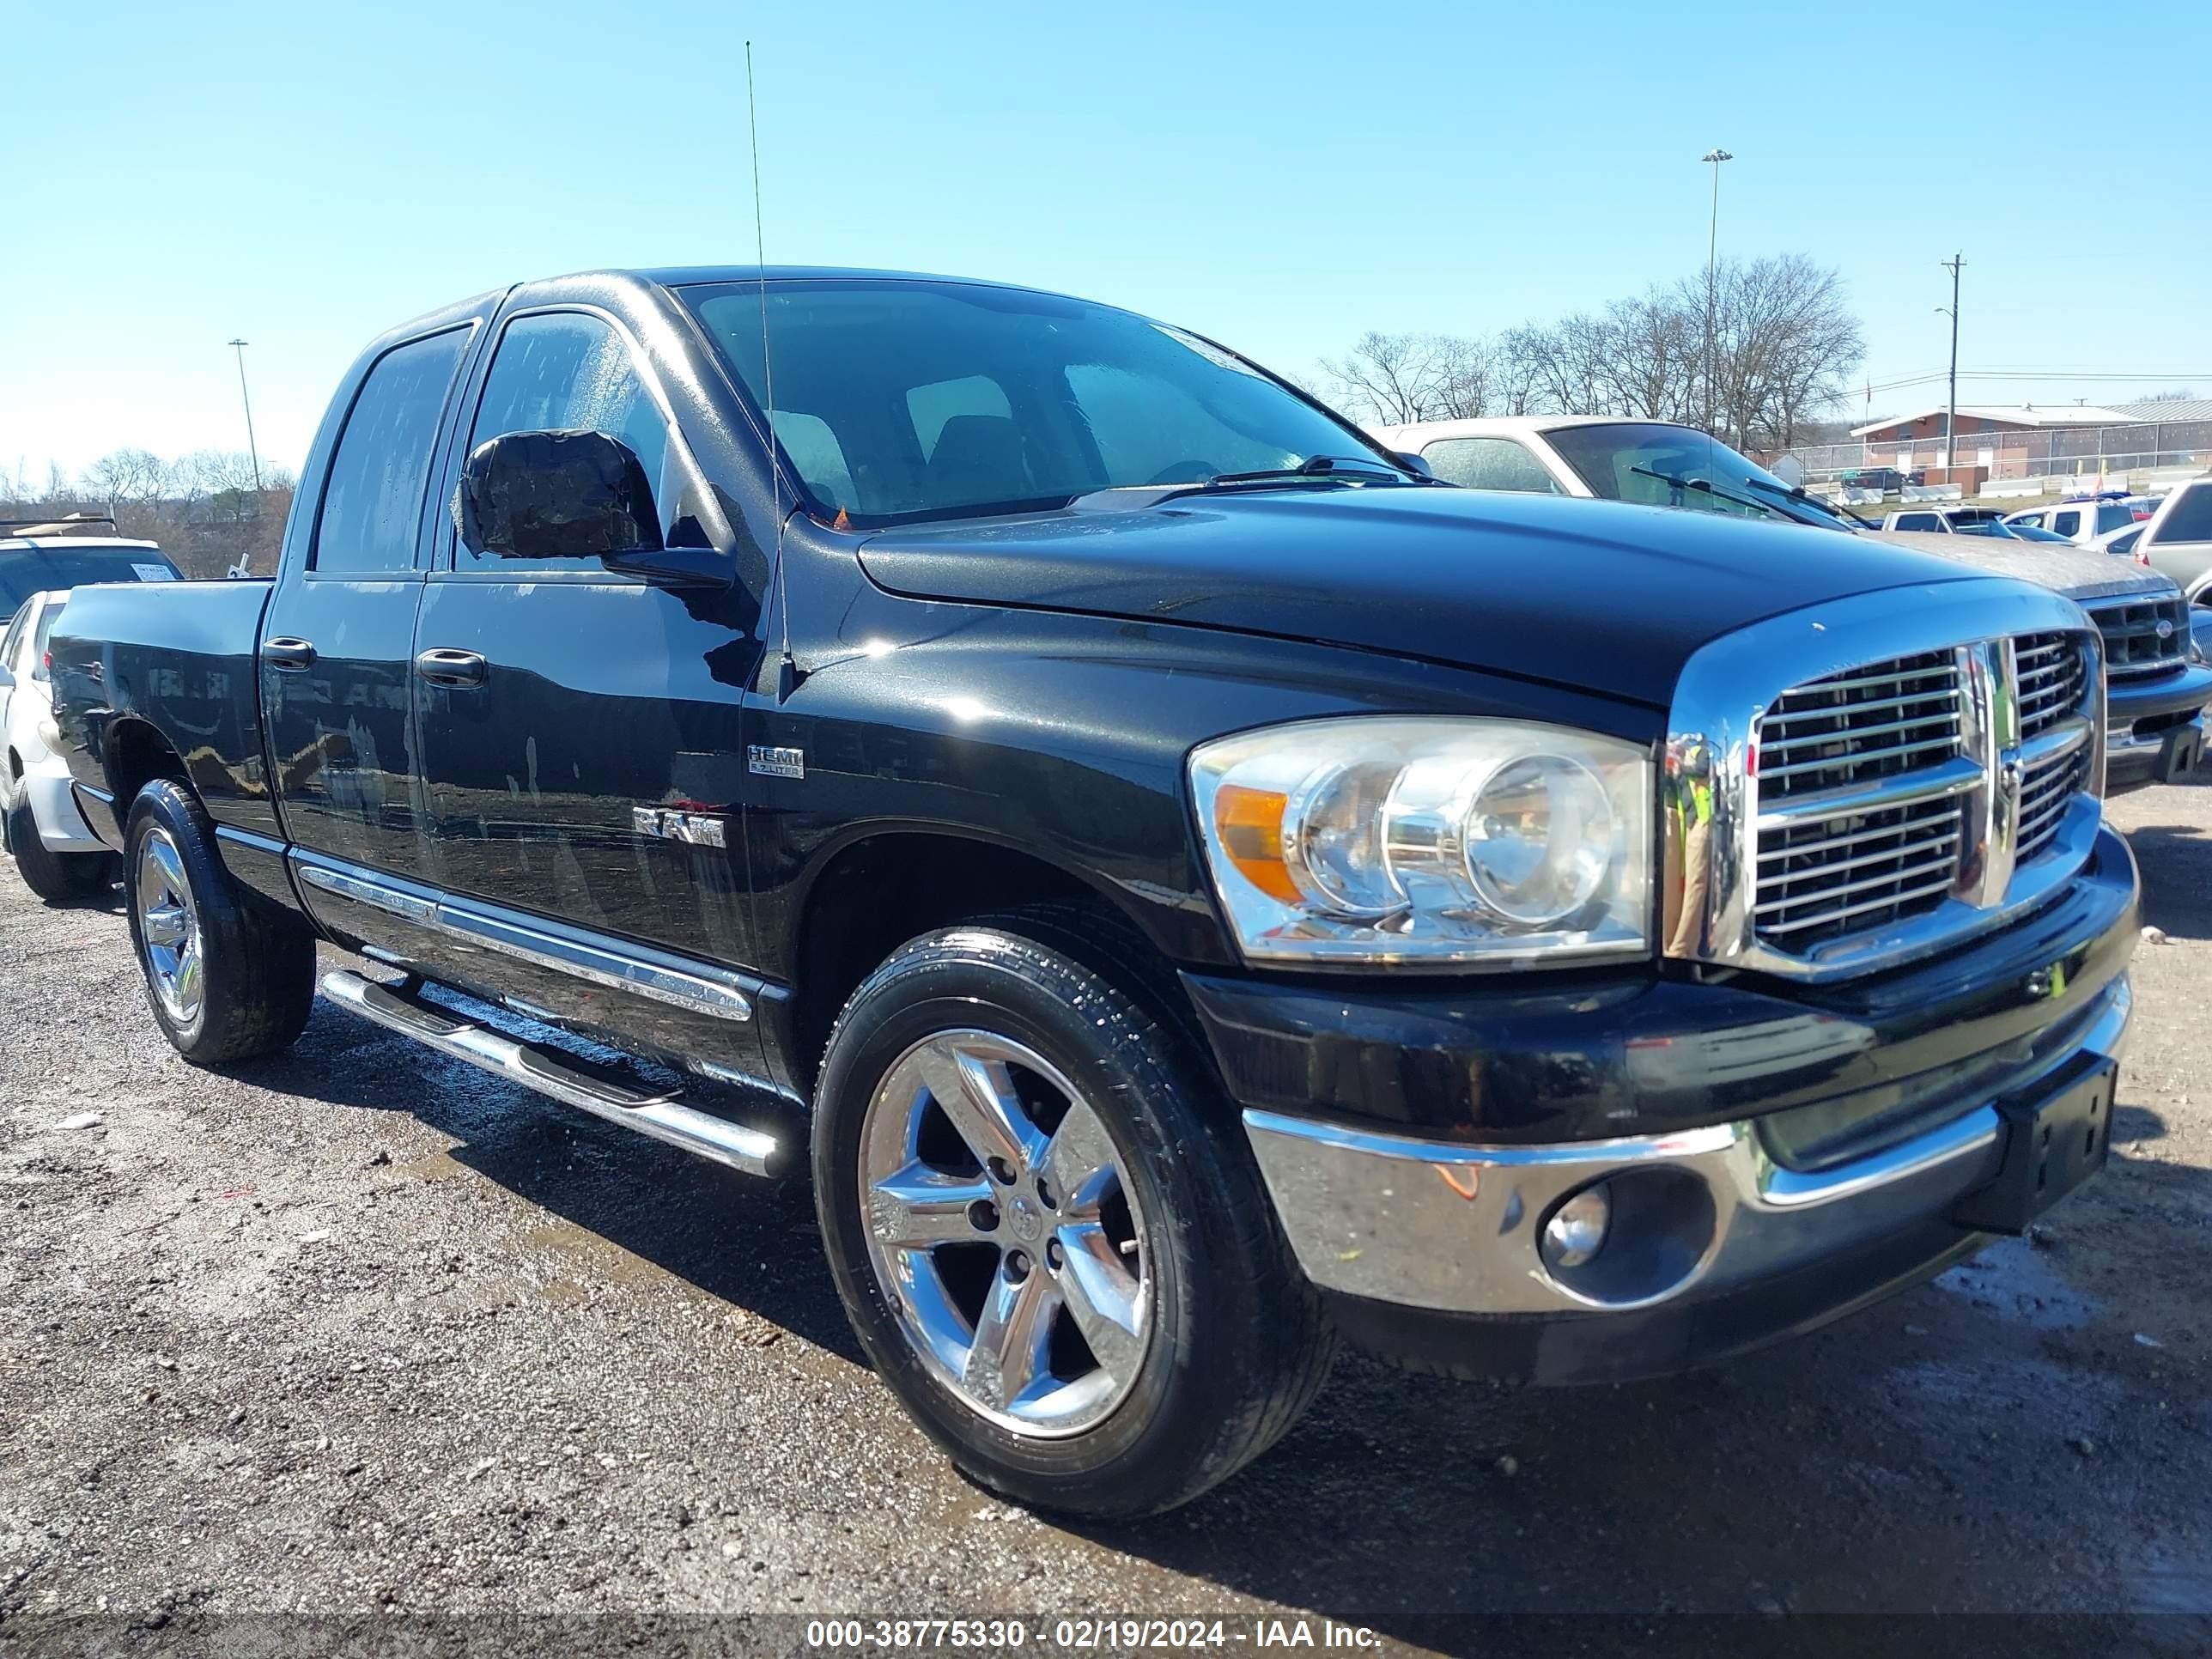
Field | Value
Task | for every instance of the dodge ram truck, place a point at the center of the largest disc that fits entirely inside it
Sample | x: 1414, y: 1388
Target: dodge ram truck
x: 1186, y: 886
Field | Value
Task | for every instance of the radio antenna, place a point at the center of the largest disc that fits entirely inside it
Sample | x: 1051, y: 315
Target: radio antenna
x: 787, y: 670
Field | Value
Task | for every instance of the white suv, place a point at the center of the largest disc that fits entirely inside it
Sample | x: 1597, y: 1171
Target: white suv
x: 2079, y: 522
x: 2178, y: 540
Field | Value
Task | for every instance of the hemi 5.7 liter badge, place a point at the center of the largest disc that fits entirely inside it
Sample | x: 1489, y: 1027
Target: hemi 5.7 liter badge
x: 775, y: 762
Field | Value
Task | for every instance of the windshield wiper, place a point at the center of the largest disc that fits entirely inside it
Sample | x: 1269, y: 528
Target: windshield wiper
x: 1318, y: 466
x: 1820, y: 504
x: 1707, y: 486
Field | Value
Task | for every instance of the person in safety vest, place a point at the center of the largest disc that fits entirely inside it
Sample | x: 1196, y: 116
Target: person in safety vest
x: 1691, y: 803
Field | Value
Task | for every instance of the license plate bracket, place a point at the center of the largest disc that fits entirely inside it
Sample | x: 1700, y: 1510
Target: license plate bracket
x: 2184, y: 753
x: 2051, y: 1146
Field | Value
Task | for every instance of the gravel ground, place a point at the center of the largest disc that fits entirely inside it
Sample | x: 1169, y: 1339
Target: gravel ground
x: 359, y: 1329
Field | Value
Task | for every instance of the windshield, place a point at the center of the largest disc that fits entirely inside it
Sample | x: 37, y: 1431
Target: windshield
x: 1617, y: 460
x: 27, y: 570
x: 899, y: 401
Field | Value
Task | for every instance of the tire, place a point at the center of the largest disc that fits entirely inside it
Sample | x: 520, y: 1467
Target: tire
x: 57, y: 877
x: 228, y: 976
x: 1230, y: 1344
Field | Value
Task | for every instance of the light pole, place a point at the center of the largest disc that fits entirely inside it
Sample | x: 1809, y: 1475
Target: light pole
x: 1953, y: 265
x: 1715, y: 155
x: 252, y: 449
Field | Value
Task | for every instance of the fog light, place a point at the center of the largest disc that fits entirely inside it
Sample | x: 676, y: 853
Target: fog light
x: 1577, y: 1231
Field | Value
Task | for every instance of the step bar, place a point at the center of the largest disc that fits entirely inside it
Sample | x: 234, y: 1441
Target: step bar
x: 663, y: 1116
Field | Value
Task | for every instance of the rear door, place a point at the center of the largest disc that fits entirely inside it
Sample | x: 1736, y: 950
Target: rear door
x: 337, y: 644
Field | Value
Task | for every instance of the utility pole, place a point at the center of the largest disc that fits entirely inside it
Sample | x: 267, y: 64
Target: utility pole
x: 1715, y: 155
x: 252, y: 449
x: 1953, y: 265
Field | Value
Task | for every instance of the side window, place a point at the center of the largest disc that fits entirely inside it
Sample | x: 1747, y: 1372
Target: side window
x: 2033, y: 520
x: 13, y: 636
x: 2067, y: 524
x: 35, y: 654
x: 373, y: 502
x: 2189, y: 518
x: 2113, y: 516
x: 1919, y: 521
x: 1489, y: 463
x: 561, y: 372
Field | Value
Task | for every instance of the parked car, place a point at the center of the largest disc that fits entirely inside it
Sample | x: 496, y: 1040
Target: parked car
x: 49, y: 557
x: 2156, y: 692
x: 2082, y: 522
x: 1947, y: 521
x: 2178, y: 540
x: 1190, y: 885
x: 2118, y: 543
x: 56, y: 854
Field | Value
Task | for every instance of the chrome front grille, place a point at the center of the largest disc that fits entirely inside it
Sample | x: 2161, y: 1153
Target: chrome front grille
x: 1823, y: 877
x: 1874, y: 779
x: 1877, y: 722
x: 2046, y: 789
x: 2134, y: 647
x: 2048, y: 680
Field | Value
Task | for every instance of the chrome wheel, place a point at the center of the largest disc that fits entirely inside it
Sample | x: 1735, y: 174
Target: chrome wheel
x: 168, y: 927
x: 1003, y: 1226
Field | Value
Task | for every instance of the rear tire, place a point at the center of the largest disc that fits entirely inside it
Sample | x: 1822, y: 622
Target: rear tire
x: 228, y: 976
x: 1219, y: 1343
x: 57, y: 877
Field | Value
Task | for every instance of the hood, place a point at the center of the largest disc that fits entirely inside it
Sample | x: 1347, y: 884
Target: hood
x: 2079, y: 573
x: 1597, y: 596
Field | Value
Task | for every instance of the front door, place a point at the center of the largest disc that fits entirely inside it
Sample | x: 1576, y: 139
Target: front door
x: 581, y: 730
x: 337, y: 644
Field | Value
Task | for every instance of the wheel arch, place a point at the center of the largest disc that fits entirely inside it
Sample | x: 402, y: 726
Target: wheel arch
x: 881, y: 886
x: 134, y: 754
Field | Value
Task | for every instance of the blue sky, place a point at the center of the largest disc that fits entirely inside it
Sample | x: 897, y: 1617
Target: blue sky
x: 1282, y: 176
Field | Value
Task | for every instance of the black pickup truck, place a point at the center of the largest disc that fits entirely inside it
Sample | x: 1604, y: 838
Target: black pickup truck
x: 1190, y: 885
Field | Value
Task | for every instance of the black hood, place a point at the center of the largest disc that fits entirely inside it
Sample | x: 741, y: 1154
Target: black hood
x: 1592, y: 595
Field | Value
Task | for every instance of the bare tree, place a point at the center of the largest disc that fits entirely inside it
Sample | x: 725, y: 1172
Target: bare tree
x: 1392, y: 379
x: 1784, y: 343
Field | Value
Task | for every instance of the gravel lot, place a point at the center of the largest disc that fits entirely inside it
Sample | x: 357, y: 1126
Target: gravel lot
x: 362, y: 1329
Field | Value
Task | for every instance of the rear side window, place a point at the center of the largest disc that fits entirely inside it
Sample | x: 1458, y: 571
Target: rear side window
x: 1488, y: 464
x: 2189, y: 517
x: 2113, y: 516
x: 562, y: 371
x: 35, y: 657
x: 2067, y: 524
x: 13, y: 638
x: 373, y: 504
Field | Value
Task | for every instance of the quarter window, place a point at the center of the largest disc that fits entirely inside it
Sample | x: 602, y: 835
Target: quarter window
x: 372, y: 502
x: 564, y: 372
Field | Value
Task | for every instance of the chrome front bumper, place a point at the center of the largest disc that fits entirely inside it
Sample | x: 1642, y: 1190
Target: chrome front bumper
x: 1454, y: 1228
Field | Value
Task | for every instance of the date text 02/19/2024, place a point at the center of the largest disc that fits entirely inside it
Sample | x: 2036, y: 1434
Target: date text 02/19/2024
x: 1082, y: 1635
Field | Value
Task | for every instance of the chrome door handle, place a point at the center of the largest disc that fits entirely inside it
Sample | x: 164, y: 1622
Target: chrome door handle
x: 441, y: 665
x: 287, y: 653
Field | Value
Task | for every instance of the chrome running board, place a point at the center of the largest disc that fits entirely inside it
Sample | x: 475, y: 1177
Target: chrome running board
x: 663, y: 1115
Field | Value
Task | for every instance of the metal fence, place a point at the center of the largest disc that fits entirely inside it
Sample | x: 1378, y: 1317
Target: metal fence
x: 2071, y: 453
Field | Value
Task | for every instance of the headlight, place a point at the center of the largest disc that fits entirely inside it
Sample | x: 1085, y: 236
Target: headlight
x: 1425, y: 841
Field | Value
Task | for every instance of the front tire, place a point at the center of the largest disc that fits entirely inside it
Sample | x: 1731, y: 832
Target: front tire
x: 1052, y: 1242
x: 57, y: 877
x: 228, y: 976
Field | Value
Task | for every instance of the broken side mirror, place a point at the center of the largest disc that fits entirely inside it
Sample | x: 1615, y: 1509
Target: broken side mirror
x: 556, y: 496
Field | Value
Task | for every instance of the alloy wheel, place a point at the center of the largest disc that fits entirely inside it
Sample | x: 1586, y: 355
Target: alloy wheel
x: 168, y: 927
x: 1003, y: 1228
